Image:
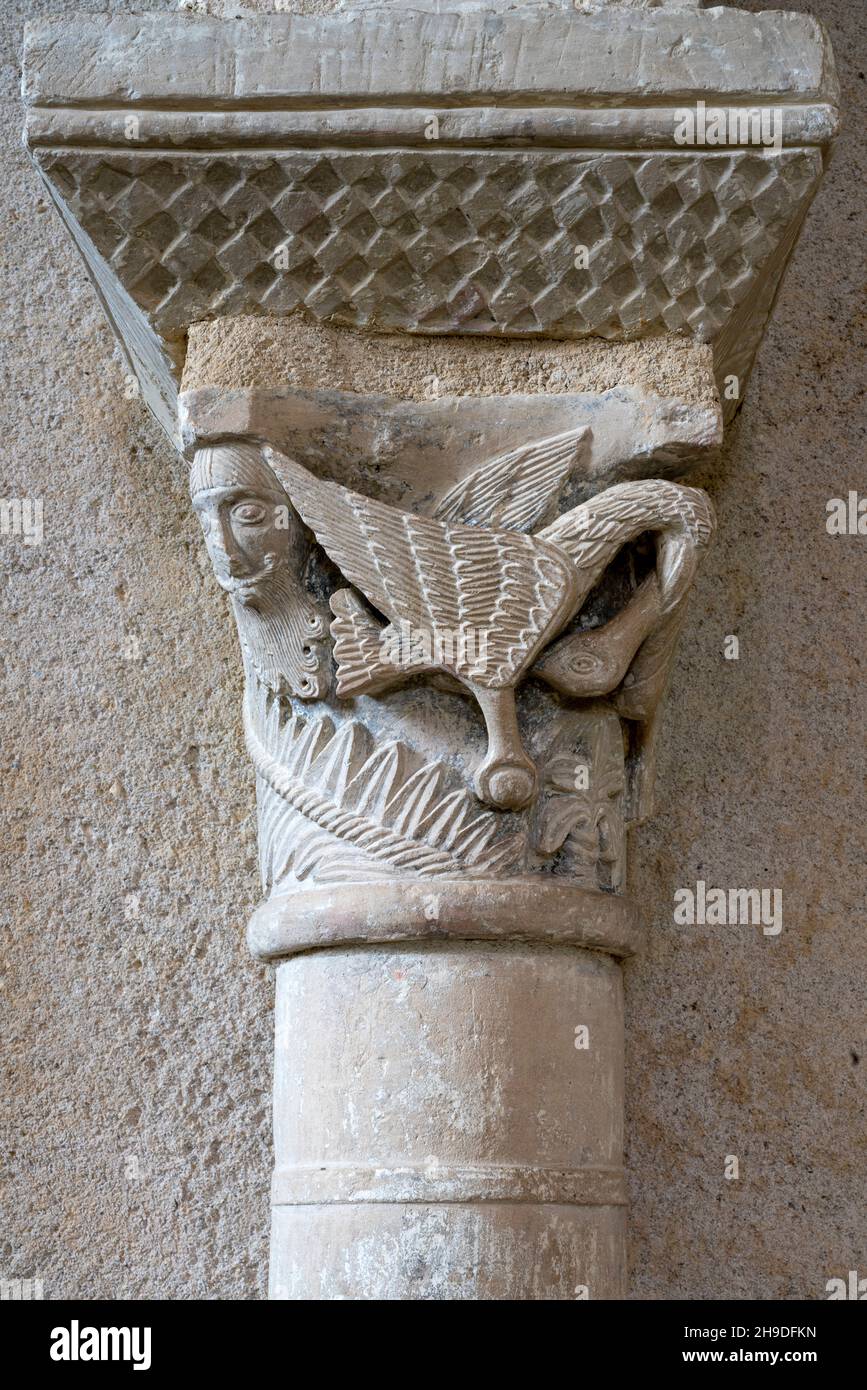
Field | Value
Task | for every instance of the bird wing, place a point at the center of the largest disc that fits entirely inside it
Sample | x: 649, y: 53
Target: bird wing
x: 593, y: 533
x: 596, y: 530
x: 518, y: 490
x: 504, y: 590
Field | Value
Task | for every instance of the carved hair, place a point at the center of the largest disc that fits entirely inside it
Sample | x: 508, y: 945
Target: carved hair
x: 233, y: 465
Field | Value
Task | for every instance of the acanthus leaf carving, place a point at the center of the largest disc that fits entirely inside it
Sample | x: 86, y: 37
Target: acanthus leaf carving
x: 580, y: 814
x: 375, y: 809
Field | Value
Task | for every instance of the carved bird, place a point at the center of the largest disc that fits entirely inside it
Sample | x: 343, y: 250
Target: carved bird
x: 444, y: 581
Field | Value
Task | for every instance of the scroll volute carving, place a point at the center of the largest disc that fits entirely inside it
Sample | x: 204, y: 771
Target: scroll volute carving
x: 484, y: 599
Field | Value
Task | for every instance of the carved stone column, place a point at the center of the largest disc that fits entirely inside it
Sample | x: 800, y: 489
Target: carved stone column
x: 436, y: 307
x: 444, y: 787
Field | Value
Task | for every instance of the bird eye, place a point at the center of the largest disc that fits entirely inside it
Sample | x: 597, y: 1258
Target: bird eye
x: 249, y: 513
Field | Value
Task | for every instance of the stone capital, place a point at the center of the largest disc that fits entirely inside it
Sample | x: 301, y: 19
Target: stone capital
x: 445, y: 307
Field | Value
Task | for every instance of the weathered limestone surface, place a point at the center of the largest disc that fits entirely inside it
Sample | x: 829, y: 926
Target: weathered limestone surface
x: 393, y: 50
x: 389, y: 158
x: 252, y: 353
x: 417, y: 408
x: 179, y: 790
x: 384, y: 1176
x: 481, y: 840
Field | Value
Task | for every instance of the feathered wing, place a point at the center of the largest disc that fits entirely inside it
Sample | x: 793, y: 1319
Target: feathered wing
x: 518, y: 490
x: 593, y: 533
x: 511, y: 590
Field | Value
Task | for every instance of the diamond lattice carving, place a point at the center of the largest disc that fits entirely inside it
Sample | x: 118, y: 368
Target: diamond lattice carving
x: 441, y: 240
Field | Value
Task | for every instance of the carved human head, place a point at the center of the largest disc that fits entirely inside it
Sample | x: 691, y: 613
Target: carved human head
x: 245, y: 515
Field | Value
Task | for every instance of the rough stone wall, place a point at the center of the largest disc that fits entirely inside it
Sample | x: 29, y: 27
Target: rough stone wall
x: 137, y: 1030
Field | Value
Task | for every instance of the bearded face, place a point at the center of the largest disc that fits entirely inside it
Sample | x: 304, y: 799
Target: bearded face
x: 247, y: 535
x: 256, y: 542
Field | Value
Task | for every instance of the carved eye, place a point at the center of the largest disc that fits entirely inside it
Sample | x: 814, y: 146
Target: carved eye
x: 249, y: 513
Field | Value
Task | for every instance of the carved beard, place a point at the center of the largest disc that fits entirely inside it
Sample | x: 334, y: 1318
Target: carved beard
x: 278, y: 627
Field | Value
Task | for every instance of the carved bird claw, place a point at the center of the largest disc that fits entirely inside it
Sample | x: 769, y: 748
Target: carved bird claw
x: 507, y: 778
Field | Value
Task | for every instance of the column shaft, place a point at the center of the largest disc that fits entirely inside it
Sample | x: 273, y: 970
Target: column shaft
x: 445, y: 1128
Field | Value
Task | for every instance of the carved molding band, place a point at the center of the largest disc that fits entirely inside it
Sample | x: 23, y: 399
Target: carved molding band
x: 592, y: 1187
x: 437, y: 177
x: 553, y: 911
x: 441, y: 240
